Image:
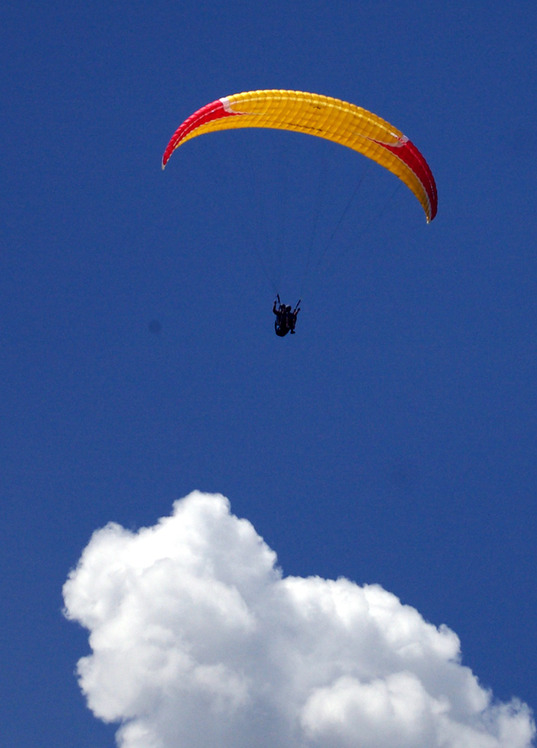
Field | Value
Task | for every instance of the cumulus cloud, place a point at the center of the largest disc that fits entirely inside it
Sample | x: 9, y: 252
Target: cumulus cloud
x: 198, y: 640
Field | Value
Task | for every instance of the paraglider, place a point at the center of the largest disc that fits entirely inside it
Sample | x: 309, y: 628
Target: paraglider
x: 323, y: 117
x: 285, y: 317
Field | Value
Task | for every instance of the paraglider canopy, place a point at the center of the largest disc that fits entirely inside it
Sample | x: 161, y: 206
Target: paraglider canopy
x: 324, y: 117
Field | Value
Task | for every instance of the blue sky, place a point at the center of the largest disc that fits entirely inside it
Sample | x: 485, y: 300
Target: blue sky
x: 392, y: 439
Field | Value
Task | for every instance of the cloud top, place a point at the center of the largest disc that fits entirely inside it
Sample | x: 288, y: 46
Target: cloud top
x: 197, y: 639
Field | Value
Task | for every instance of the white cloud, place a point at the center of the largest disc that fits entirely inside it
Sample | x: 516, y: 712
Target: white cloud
x: 198, y: 640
